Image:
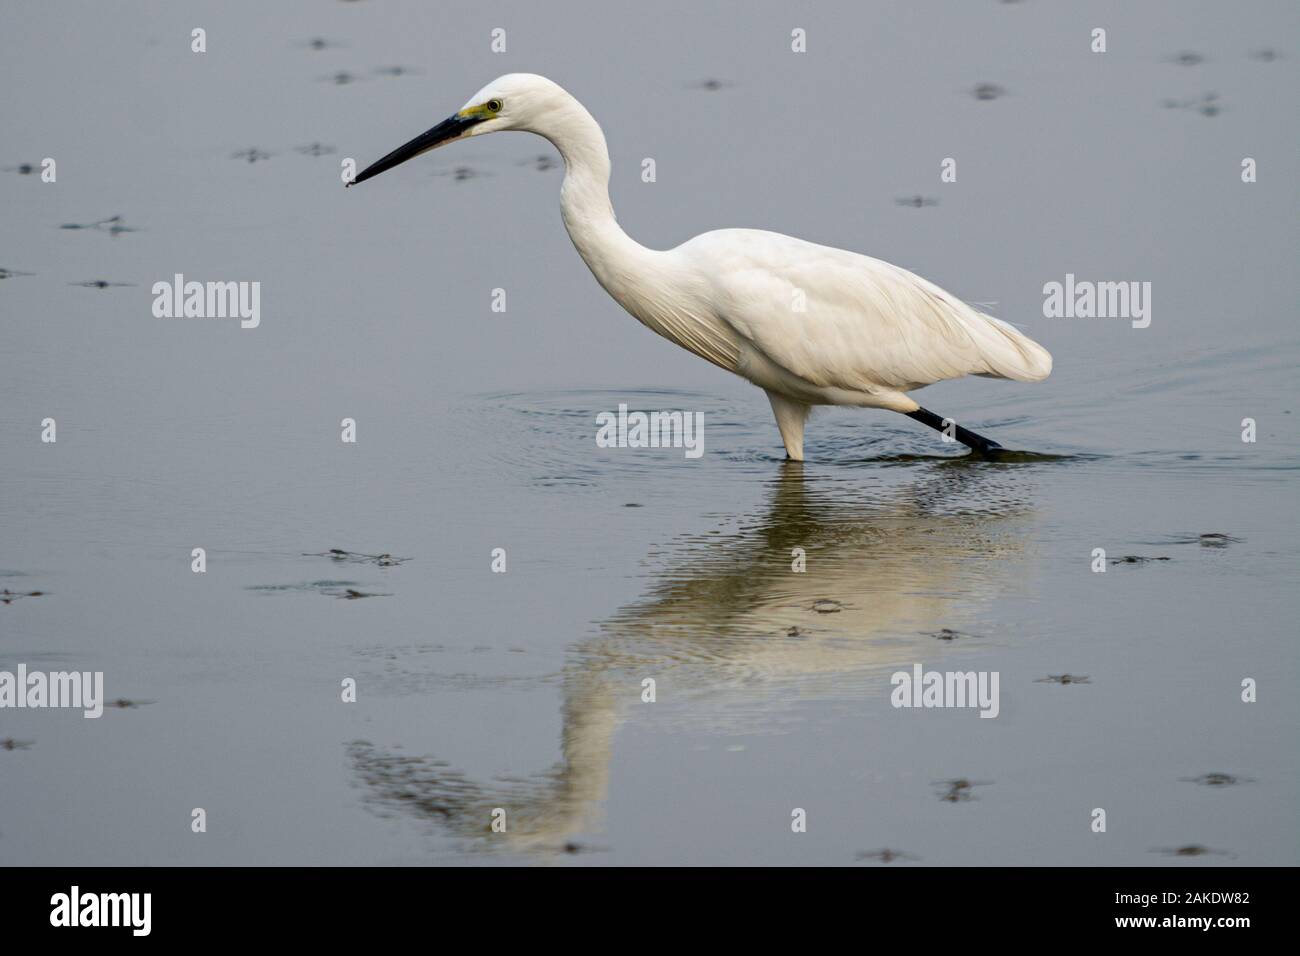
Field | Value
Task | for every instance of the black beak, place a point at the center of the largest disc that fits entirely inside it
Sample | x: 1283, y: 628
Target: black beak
x: 449, y: 129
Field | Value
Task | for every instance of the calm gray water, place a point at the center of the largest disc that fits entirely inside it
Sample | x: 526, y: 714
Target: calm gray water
x: 476, y: 431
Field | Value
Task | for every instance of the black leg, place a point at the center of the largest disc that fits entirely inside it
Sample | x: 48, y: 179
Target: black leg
x: 978, y: 443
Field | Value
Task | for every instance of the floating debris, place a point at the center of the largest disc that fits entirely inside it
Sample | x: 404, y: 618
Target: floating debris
x: 397, y: 71
x: 1216, y: 780
x: 338, y: 554
x: 988, y: 91
x: 947, y: 634
x: 10, y: 744
x: 462, y: 173
x: 8, y: 597
x: 89, y: 225
x: 11, y: 273
x: 633, y: 504
x: 1207, y: 105
x: 1266, y: 55
x: 884, y: 855
x: 100, y: 284
x: 1064, y: 679
x: 344, y: 590
x: 711, y: 85
x: 22, y: 169
x: 123, y: 703
x: 1192, y: 849
x: 959, y: 790
x: 573, y: 848
x: 316, y: 149
x: 916, y: 202
x: 252, y: 154
x: 320, y: 43
x: 1187, y: 58
x: 341, y: 78
x: 541, y: 162
x: 1137, y: 559
x: 827, y: 606
x: 113, y: 225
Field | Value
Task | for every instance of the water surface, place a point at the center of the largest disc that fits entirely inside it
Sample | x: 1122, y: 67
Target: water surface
x: 522, y: 690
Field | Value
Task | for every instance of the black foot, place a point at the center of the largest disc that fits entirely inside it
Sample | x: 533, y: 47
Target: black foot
x: 984, y: 447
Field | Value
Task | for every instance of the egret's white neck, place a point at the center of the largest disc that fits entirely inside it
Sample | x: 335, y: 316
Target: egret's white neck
x: 613, y: 256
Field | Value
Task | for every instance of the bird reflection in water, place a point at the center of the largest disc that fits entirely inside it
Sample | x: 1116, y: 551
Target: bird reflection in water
x: 729, y: 617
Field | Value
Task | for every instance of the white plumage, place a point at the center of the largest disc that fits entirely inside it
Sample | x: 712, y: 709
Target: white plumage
x: 809, y: 324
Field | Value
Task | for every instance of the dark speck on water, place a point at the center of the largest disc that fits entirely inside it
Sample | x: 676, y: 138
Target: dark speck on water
x: 947, y: 634
x: 1187, y: 58
x: 123, y: 703
x: 462, y: 173
x: 1216, y: 780
x: 320, y: 43
x: 1192, y: 849
x: 10, y: 744
x: 316, y: 149
x: 988, y: 91
x: 1207, y: 105
x: 959, y: 790
x: 541, y: 162
x: 1064, y: 679
x: 114, y: 226
x: 573, y: 848
x: 11, y: 273
x: 384, y: 560
x: 916, y: 202
x: 1137, y: 559
x: 346, y: 590
x: 884, y: 855
x: 8, y: 597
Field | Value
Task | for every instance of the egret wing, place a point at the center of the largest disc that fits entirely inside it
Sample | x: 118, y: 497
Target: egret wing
x: 842, y: 320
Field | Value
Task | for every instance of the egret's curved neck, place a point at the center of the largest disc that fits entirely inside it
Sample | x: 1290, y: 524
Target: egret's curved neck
x: 610, y: 253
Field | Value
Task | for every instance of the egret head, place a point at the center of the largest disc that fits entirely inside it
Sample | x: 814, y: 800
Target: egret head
x: 516, y: 101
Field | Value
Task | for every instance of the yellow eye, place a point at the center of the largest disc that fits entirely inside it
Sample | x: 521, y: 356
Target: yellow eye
x: 494, y: 106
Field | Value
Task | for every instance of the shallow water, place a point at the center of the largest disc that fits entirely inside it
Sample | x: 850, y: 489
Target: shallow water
x: 476, y: 431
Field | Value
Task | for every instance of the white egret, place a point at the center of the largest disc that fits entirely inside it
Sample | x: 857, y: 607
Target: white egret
x: 808, y: 324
